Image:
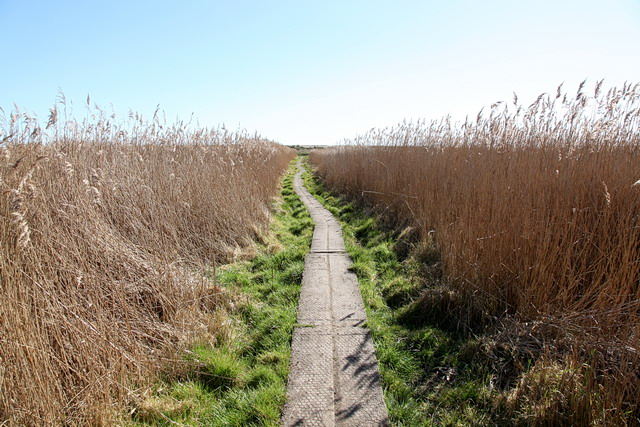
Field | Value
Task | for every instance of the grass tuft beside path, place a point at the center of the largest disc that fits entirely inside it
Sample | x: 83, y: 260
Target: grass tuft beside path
x: 240, y: 380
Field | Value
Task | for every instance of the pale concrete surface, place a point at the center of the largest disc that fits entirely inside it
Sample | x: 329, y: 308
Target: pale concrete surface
x: 333, y: 378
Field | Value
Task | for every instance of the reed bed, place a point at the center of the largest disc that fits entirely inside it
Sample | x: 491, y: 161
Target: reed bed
x: 535, y: 213
x: 105, y: 226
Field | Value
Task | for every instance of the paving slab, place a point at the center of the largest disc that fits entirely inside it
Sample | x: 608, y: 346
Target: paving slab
x: 333, y: 377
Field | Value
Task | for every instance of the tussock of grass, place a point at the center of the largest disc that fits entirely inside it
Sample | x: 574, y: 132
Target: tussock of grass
x: 242, y: 380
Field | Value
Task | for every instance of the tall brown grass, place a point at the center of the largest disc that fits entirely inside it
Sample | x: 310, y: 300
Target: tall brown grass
x: 104, y: 227
x: 535, y: 211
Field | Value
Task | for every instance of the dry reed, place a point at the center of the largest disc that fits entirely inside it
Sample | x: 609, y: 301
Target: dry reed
x: 104, y: 227
x: 535, y: 211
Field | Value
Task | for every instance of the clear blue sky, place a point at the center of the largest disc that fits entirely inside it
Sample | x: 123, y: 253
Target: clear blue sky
x: 309, y: 72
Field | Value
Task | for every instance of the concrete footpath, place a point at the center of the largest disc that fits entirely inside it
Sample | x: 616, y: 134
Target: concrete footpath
x: 333, y: 378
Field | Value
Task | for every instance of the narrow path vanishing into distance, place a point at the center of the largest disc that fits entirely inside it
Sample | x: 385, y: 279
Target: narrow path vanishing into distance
x: 333, y: 378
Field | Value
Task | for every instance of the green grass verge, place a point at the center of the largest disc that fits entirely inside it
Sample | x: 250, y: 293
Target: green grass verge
x: 241, y: 381
x: 431, y: 375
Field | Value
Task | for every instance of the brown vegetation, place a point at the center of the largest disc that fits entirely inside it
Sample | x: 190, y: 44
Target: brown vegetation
x: 104, y: 227
x: 535, y: 212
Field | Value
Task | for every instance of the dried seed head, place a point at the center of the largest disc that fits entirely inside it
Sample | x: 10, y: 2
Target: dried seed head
x: 607, y: 195
x: 24, y: 232
x: 68, y: 168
